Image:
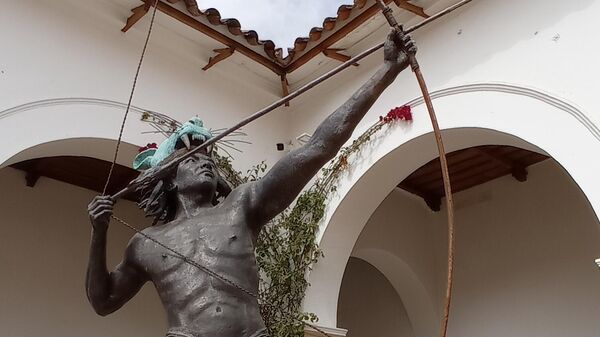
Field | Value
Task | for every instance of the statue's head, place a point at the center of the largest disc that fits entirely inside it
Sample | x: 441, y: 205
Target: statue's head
x: 196, y: 176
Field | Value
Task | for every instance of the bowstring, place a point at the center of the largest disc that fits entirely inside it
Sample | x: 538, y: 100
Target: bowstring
x: 135, y: 79
x: 211, y: 272
x: 124, y: 223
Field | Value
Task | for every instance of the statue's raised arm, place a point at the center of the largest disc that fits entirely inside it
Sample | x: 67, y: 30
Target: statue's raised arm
x: 282, y: 184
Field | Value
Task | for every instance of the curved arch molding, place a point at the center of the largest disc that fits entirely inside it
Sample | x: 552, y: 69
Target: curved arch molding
x: 516, y: 90
x: 48, y: 121
x: 530, y: 118
x: 66, y: 101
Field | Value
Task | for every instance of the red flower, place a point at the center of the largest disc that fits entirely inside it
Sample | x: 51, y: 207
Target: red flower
x: 148, y: 146
x: 399, y: 113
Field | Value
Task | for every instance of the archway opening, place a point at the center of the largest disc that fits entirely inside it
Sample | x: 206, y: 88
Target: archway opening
x: 46, y: 237
x: 526, y: 244
x: 369, y: 305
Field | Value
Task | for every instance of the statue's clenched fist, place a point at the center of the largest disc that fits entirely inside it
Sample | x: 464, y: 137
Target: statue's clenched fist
x: 397, y: 49
x: 100, y: 210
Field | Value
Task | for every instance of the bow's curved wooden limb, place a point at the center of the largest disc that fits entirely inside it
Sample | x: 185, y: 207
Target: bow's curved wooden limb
x: 387, y: 12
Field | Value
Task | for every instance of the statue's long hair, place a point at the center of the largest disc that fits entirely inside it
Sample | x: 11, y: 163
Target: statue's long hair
x: 158, y: 197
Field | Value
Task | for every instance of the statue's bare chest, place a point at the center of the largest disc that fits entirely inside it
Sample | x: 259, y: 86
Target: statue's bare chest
x: 221, y: 242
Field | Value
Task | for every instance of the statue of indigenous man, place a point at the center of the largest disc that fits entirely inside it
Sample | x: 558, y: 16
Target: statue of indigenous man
x: 207, y: 222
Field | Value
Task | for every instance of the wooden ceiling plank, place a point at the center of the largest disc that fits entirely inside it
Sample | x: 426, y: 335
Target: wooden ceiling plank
x: 458, y: 174
x: 466, y: 182
x: 466, y: 165
x: 518, y: 171
x: 471, y: 167
x: 433, y: 166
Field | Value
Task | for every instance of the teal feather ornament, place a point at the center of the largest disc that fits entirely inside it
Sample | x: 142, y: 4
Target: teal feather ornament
x: 192, y: 130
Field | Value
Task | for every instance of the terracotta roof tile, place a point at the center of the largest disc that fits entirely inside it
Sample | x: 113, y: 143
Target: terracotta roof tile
x: 233, y: 26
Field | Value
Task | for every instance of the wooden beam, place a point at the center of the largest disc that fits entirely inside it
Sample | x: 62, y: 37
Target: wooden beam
x: 285, y: 88
x: 138, y: 13
x: 432, y: 200
x: 201, y: 27
x: 519, y: 172
x: 335, y: 37
x: 322, y: 47
x: 434, y: 203
x: 411, y: 8
x: 342, y: 32
x: 334, y: 54
x: 222, y: 54
x: 31, y: 178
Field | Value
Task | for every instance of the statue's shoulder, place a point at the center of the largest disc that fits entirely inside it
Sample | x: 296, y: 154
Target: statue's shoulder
x: 137, y: 243
x: 134, y: 251
x: 239, y: 194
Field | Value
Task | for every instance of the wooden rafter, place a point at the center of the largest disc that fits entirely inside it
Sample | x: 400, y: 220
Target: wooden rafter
x: 335, y: 54
x: 411, y: 8
x: 333, y: 38
x: 285, y: 87
x: 338, y: 35
x: 201, y: 27
x: 273, y: 65
x: 519, y: 172
x: 222, y: 54
x: 138, y: 13
x: 468, y: 168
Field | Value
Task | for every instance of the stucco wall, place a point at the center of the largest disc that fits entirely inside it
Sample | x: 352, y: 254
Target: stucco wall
x: 66, y: 63
x: 524, y: 263
x: 44, y: 243
x: 369, y: 305
x: 522, y: 69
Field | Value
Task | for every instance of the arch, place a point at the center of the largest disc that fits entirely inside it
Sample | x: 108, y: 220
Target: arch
x: 470, y: 115
x: 71, y: 123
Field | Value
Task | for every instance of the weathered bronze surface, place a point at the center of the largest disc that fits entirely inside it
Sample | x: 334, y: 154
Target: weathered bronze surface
x: 220, y: 237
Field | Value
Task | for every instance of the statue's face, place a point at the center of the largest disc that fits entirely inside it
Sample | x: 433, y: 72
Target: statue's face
x: 197, y: 174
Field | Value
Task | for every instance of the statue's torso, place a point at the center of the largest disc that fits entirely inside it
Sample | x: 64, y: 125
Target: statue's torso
x: 219, y: 239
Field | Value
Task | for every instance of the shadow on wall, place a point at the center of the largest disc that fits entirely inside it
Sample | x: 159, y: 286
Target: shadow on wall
x: 368, y: 304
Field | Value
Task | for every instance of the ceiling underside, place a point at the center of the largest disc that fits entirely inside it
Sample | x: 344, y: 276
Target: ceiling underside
x: 468, y: 168
x: 89, y: 173
x: 319, y: 40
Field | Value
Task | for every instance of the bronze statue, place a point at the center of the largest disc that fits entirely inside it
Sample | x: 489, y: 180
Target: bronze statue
x: 220, y: 236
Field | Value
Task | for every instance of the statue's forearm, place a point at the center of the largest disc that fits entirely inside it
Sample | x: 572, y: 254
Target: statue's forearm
x: 300, y: 165
x: 98, y: 278
x: 336, y: 129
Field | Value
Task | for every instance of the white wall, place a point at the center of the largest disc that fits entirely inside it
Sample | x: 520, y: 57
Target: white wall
x: 524, y: 263
x: 74, y: 49
x: 44, y: 243
x: 506, y: 41
x: 525, y: 259
x: 369, y: 305
x: 72, y: 59
x: 493, y: 65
